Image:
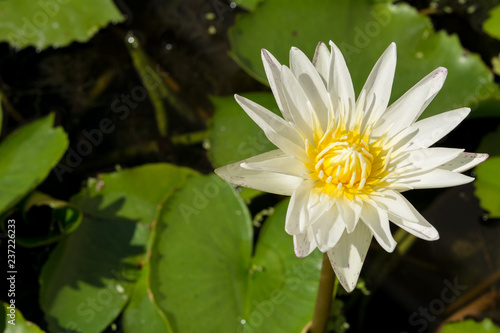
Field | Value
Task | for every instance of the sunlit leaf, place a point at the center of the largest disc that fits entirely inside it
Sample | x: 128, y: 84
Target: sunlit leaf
x: 13, y: 321
x: 90, y: 275
x: 488, y: 185
x: 54, y: 23
x: 492, y: 25
x: 471, y: 326
x: 206, y: 279
x: 233, y: 134
x: 487, y: 177
x: 363, y: 30
x: 27, y: 156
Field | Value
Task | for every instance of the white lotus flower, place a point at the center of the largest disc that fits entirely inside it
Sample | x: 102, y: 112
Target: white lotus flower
x: 345, y: 161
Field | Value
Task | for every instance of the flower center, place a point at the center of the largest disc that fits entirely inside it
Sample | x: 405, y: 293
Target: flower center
x: 346, y: 163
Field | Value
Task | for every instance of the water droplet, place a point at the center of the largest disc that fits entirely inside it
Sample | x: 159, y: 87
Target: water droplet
x: 212, y: 30
x: 233, y: 5
x: 210, y: 16
x: 206, y: 144
x: 120, y: 288
x: 485, y: 217
x: 130, y: 38
x: 243, y: 322
x: 38, y: 50
x: 168, y: 46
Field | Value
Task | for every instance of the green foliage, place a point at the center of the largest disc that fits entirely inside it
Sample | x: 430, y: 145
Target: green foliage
x: 234, y: 136
x: 90, y: 275
x: 54, y: 23
x: 162, y: 245
x: 471, y: 326
x: 18, y: 323
x: 488, y: 179
x: 362, y: 30
x: 216, y: 285
x: 28, y: 155
x: 60, y: 217
x: 492, y: 25
x: 488, y: 186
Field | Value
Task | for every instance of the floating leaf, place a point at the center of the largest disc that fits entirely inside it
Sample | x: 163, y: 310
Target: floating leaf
x: 363, y: 29
x: 206, y: 279
x: 89, y: 277
x: 46, y: 220
x: 27, y: 156
x: 492, y: 25
x: 487, y: 178
x: 471, y: 326
x: 488, y: 185
x: 142, y: 311
x: 14, y: 321
x: 54, y: 23
x: 234, y: 136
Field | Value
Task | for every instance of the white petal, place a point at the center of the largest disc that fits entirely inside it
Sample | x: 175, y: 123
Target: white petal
x: 273, y: 72
x: 311, y: 83
x: 340, y: 85
x: 377, y: 220
x: 464, y: 162
x: 276, y: 129
x: 421, y: 228
x: 339, y: 80
x: 395, y: 203
x: 347, y: 214
x: 328, y: 229
x: 297, y: 214
x: 348, y: 255
x: 378, y: 85
x: 303, y: 115
x: 435, y: 179
x: 260, y: 180
x: 321, y: 60
x: 406, y: 110
x: 304, y: 244
x: 430, y: 130
x: 426, y: 159
x: 279, y: 162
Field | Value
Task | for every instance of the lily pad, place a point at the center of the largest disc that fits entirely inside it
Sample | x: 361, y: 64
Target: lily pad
x: 488, y: 180
x: 363, y: 29
x: 46, y: 220
x: 90, y: 275
x: 13, y: 321
x: 471, y: 326
x: 492, y: 25
x: 234, y: 136
x: 488, y: 186
x: 206, y: 279
x: 54, y: 23
x: 28, y: 155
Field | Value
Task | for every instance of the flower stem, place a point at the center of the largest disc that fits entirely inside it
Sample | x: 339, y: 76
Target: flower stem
x: 327, y: 281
